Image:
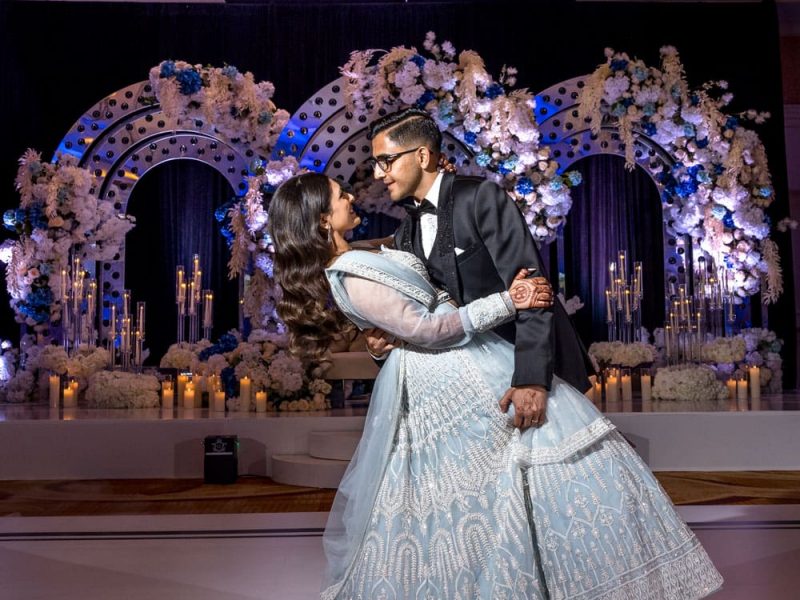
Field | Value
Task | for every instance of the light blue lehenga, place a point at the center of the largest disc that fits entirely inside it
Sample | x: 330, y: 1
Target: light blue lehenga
x: 445, y: 499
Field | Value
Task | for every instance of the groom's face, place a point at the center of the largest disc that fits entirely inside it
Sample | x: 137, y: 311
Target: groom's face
x: 403, y: 174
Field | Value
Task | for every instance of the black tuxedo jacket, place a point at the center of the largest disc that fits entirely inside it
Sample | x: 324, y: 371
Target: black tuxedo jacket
x: 478, y: 217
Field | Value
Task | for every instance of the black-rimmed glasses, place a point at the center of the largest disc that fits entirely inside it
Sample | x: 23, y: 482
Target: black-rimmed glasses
x: 384, y: 161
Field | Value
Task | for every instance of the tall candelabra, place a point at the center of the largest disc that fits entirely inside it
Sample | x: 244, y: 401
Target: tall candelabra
x: 624, y: 299
x: 189, y: 297
x: 78, y: 308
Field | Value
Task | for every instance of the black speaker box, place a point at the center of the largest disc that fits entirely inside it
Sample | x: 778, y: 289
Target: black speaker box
x: 221, y: 463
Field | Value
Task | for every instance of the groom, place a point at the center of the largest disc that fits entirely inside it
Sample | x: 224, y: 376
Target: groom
x: 473, y: 239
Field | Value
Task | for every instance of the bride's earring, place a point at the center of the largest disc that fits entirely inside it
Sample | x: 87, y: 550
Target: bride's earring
x: 330, y: 234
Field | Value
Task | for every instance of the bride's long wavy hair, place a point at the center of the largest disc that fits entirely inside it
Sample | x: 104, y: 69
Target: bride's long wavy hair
x: 303, y: 249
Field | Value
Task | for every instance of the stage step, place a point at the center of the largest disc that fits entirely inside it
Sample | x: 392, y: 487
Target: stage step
x: 334, y: 445
x: 307, y: 471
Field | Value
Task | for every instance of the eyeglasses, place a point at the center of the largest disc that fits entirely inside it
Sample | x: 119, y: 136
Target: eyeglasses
x: 385, y: 161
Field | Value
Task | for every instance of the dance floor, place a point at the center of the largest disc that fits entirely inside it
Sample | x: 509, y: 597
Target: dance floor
x: 279, y: 556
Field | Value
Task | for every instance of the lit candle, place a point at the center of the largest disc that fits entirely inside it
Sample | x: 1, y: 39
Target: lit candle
x: 180, y: 285
x: 609, y: 313
x: 55, y: 390
x: 182, y: 381
x: 628, y: 304
x: 261, y: 401
x: 627, y: 388
x: 612, y: 392
x: 668, y: 340
x: 731, y: 383
x: 167, y: 395
x: 208, y: 309
x: 188, y: 396
x: 647, y: 387
x: 755, y: 383
x: 112, y: 324
x: 69, y: 397
x: 219, y: 401
x: 741, y: 389
x: 639, y: 279
x: 612, y: 276
x: 623, y: 269
x: 74, y: 387
x: 598, y: 391
x: 244, y: 393
x: 199, y: 388
x: 64, y: 286
x: 192, y: 305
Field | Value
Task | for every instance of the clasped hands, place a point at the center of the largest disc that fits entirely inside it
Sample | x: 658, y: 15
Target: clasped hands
x: 530, y: 402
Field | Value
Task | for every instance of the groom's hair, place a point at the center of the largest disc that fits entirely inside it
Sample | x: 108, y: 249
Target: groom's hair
x: 408, y: 127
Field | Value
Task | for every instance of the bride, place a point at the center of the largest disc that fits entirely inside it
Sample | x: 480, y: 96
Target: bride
x: 444, y: 498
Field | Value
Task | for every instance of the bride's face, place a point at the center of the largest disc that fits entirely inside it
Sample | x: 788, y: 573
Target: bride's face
x: 342, y: 217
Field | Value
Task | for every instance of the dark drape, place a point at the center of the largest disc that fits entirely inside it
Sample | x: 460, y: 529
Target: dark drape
x: 614, y: 209
x: 57, y: 59
x: 174, y: 207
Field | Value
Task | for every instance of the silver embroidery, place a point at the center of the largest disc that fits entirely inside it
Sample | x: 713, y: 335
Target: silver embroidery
x: 489, y: 312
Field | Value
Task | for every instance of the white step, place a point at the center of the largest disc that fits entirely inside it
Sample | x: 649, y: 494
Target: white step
x: 334, y: 445
x: 307, y: 471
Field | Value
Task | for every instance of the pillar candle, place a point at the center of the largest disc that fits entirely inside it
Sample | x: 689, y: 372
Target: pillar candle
x: 188, y: 396
x: 598, y: 392
x: 647, y: 387
x: 627, y: 388
x: 167, y: 395
x: 55, y: 390
x: 755, y: 383
x: 611, y: 389
x: 731, y: 388
x: 69, y: 398
x: 244, y: 393
x: 741, y: 389
x: 261, y: 401
x: 219, y: 401
x: 182, y: 381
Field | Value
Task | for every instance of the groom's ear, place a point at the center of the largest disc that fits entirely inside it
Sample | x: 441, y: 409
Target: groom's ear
x: 428, y: 159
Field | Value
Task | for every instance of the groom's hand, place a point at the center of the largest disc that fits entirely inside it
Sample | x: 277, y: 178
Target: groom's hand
x: 530, y: 404
x: 379, y: 343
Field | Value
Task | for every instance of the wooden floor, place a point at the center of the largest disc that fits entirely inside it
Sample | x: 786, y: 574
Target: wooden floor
x: 262, y: 495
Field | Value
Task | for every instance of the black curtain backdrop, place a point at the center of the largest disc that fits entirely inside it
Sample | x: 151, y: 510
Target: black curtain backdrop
x: 57, y: 59
x: 614, y: 209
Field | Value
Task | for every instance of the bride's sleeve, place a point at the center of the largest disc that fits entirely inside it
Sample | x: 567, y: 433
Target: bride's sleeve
x: 409, y: 320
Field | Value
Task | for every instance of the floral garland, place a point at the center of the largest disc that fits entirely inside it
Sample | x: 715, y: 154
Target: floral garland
x: 622, y: 355
x: 58, y: 215
x: 495, y: 121
x: 291, y: 384
x: 720, y: 184
x: 240, y: 110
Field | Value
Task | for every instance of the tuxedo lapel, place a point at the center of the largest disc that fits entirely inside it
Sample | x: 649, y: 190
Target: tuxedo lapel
x: 444, y: 244
x: 403, y: 239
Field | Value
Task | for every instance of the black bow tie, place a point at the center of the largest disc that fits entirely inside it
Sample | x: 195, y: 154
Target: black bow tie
x: 424, y: 208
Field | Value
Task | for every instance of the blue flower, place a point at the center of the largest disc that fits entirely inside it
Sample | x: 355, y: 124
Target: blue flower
x: 167, y: 69
x: 649, y: 109
x: 618, y: 109
x: 727, y: 220
x: 574, y: 178
x: 264, y: 117
x: 619, y: 64
x: 649, y: 128
x: 470, y: 137
x: 230, y: 71
x: 556, y: 184
x: 446, y: 114
x: 10, y: 220
x: 731, y: 123
x: 228, y: 377
x: 525, y: 186
x: 719, y: 211
x: 189, y: 81
x: 483, y: 159
x: 639, y: 73
x: 694, y: 99
x: 494, y: 90
x: 264, y: 263
x: 425, y: 98
x: 765, y: 192
x: 688, y: 130
x: 508, y: 165
x: 702, y: 143
x: 719, y: 169
x: 418, y: 60
x: 703, y: 176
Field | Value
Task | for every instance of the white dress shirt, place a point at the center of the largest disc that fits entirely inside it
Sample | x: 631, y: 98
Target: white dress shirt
x: 429, y: 226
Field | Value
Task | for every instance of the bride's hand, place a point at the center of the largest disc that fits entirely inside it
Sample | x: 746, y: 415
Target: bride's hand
x: 532, y: 292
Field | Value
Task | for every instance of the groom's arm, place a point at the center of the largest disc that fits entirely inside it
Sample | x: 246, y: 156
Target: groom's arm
x: 506, y: 236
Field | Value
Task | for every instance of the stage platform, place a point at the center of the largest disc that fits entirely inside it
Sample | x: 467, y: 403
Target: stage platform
x: 39, y: 443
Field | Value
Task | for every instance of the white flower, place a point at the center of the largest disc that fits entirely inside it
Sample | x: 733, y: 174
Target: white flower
x: 688, y: 382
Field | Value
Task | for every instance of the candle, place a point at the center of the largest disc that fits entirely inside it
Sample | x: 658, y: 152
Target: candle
x: 627, y: 389
x: 74, y: 387
x: 731, y: 383
x: 598, y: 391
x: 182, y: 381
x: 741, y: 389
x: 208, y: 309
x: 180, y: 285
x: 647, y: 387
x: 167, y: 395
x: 244, y: 393
x: 192, y: 305
x: 219, y: 401
x: 612, y: 392
x: 612, y: 267
x: 55, y: 390
x: 112, y: 324
x: 668, y: 340
x: 64, y: 286
x: 199, y: 387
x: 623, y: 270
x: 188, y: 396
x: 261, y: 401
x: 609, y: 313
x: 755, y: 383
x: 639, y: 281
x: 628, y: 304
x: 69, y: 397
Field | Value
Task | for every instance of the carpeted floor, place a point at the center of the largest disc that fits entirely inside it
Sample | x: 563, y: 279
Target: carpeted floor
x: 262, y: 495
